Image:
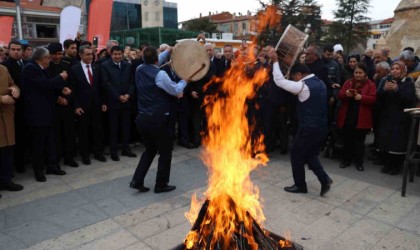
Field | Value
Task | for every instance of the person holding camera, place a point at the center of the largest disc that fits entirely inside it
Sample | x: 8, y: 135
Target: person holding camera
x: 396, y: 92
x: 357, y: 97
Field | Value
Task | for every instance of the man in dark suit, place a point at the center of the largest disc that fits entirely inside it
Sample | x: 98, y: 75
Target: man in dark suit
x: 88, y: 104
x: 119, y: 88
x: 14, y: 65
x: 223, y: 64
x: 64, y: 122
x: 40, y: 98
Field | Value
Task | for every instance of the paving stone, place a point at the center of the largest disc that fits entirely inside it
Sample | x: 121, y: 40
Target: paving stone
x: 76, y: 218
x: 139, y: 245
x: 155, y: 209
x: 393, y: 209
x: 35, y: 231
x: 368, y: 199
x: 10, y: 243
x: 169, y: 238
x: 411, y: 220
x: 80, y: 237
x: 398, y: 239
x: 116, y: 240
x: 364, y: 234
x: 340, y: 193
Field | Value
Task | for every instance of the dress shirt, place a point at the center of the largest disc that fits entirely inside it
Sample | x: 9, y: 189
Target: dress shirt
x: 86, y: 71
x: 297, y: 88
x: 164, y: 82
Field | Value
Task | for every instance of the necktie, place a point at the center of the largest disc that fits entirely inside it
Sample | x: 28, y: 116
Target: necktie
x: 90, y: 75
x: 20, y: 63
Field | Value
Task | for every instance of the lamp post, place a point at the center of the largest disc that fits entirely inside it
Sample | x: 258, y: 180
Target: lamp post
x: 19, y: 23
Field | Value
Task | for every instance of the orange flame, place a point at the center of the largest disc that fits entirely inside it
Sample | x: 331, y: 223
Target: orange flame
x: 228, y: 153
x: 269, y: 18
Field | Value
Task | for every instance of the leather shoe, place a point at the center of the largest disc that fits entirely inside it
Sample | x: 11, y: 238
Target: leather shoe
x: 10, y: 186
x: 326, y: 187
x: 100, y: 157
x: 115, y: 157
x: 86, y: 160
x: 295, y: 189
x: 40, y: 177
x: 128, y: 153
x: 72, y: 163
x: 186, y: 145
x: 55, y: 171
x: 139, y: 187
x: 344, y: 164
x: 162, y: 189
x: 360, y: 167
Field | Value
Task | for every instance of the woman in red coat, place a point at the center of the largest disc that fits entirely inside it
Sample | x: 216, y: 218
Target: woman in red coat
x: 355, y: 115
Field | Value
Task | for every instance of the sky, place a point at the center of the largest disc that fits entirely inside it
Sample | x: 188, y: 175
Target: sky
x: 188, y: 9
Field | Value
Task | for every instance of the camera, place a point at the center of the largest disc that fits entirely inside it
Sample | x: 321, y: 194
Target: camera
x: 389, y: 78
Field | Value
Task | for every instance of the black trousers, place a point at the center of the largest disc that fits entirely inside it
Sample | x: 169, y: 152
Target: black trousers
x: 6, y: 164
x: 305, y: 150
x: 65, y: 131
x: 23, y: 138
x: 197, y: 121
x: 119, y: 121
x: 43, y: 148
x: 156, y: 135
x: 90, y: 130
x: 354, y: 145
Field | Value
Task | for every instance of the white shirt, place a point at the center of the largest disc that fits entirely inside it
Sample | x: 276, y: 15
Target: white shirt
x: 86, y: 70
x: 297, y: 88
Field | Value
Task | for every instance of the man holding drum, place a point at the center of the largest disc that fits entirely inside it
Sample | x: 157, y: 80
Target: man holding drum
x: 154, y: 88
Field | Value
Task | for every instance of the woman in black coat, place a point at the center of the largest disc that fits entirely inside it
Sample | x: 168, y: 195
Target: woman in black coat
x: 396, y: 92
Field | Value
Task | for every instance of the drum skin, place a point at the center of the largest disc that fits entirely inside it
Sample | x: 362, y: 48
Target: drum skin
x: 187, y: 58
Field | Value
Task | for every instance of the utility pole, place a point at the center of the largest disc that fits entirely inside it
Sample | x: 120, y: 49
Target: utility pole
x: 19, y: 23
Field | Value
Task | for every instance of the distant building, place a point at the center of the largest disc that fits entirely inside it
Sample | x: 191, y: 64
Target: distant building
x: 41, y: 18
x: 238, y: 24
x: 379, y: 30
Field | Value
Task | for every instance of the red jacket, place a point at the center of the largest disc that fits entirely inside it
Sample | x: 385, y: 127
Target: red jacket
x: 368, y: 92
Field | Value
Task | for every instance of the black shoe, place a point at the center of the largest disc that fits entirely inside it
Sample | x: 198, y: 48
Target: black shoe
x: 385, y: 170
x: 72, y: 163
x: 295, y: 189
x: 128, y: 152
x: 326, y: 187
x: 283, y: 151
x: 139, y: 187
x: 100, y: 157
x: 55, y: 171
x: 196, y: 145
x: 162, y: 189
x: 10, y: 186
x: 186, y: 145
x: 344, y: 164
x: 360, y: 167
x: 115, y: 157
x: 40, y: 177
x: 86, y: 160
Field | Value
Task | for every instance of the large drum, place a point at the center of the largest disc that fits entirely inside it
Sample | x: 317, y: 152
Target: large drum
x: 289, y: 46
x: 189, y: 60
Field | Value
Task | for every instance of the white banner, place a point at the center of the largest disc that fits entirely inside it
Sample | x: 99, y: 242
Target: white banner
x: 69, y: 23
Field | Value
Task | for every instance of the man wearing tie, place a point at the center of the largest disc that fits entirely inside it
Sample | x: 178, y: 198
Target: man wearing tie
x: 40, y: 98
x: 14, y: 65
x: 88, y: 104
x: 223, y: 64
x: 119, y: 88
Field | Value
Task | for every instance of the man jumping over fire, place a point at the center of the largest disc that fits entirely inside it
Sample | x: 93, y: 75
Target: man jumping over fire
x: 312, y: 118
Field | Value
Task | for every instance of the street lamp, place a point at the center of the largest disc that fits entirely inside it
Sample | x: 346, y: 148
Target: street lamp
x: 19, y: 24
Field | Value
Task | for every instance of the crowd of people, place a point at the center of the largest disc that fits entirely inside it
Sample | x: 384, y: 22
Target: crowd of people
x: 61, y: 100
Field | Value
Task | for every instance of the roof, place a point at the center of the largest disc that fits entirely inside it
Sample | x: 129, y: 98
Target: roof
x: 236, y: 19
x: 326, y: 22
x: 223, y: 16
x: 387, y: 21
x: 23, y: 6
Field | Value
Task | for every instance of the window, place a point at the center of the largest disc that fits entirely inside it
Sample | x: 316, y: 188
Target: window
x: 146, y: 16
x: 244, y: 26
x: 157, y: 16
